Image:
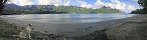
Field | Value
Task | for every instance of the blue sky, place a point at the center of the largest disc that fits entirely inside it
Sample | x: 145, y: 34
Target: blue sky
x: 124, y: 5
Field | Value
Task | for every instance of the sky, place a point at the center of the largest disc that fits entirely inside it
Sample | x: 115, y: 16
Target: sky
x: 123, y: 5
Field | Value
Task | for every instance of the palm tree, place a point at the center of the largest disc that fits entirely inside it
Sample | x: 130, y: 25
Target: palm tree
x: 2, y: 2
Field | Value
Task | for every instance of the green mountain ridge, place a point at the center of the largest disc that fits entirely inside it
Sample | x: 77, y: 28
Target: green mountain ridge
x: 51, y: 9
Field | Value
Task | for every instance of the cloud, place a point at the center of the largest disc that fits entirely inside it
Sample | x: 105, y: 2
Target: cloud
x: 50, y: 2
x: 22, y: 2
x: 66, y: 2
x: 41, y: 2
x: 55, y: 2
x: 85, y: 4
x: 82, y: 4
x: 116, y: 4
x: 45, y: 2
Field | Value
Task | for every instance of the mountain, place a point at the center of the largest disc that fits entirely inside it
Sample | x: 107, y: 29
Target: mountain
x: 12, y: 6
x: 51, y: 9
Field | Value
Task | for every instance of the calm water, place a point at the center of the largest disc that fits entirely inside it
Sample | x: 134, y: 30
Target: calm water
x: 68, y: 18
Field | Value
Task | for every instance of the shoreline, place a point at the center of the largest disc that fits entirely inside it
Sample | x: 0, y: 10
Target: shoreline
x: 133, y: 28
x: 67, y: 29
x: 120, y: 31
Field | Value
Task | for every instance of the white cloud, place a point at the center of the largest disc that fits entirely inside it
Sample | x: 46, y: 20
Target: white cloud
x: 45, y: 2
x: 116, y: 4
x: 41, y: 2
x: 100, y: 3
x: 82, y: 4
x: 22, y: 2
x: 85, y: 4
x: 55, y: 2
x: 66, y: 2
x: 50, y: 2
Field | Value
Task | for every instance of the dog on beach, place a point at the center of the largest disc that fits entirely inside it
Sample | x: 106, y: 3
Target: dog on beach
x: 25, y: 33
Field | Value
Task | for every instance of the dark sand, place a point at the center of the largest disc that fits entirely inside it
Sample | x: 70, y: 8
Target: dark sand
x: 133, y: 28
x: 7, y: 30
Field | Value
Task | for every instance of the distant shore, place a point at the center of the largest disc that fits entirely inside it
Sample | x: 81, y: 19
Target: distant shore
x: 133, y: 28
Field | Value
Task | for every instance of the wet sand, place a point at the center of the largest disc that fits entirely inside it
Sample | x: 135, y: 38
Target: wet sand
x: 133, y: 28
x: 9, y: 29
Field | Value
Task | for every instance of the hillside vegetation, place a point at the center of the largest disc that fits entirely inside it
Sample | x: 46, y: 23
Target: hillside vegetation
x: 51, y: 9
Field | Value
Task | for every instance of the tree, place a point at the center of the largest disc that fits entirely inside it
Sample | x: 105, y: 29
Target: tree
x: 142, y: 3
x: 2, y: 2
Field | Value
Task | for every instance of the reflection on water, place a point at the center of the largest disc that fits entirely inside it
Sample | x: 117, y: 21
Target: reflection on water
x: 57, y: 18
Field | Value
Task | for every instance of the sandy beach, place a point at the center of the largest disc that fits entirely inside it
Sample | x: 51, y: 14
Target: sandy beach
x: 133, y: 28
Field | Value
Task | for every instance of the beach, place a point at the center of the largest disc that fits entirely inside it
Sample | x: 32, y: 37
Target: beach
x: 132, y: 28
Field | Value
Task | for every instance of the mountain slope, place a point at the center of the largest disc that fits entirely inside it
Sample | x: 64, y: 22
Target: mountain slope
x: 57, y: 9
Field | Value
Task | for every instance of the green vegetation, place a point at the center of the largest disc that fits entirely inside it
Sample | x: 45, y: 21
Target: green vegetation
x: 9, y: 12
x: 142, y: 3
x: 51, y: 9
x: 70, y: 9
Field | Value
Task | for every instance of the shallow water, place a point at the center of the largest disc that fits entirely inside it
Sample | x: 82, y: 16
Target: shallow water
x: 68, y: 18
